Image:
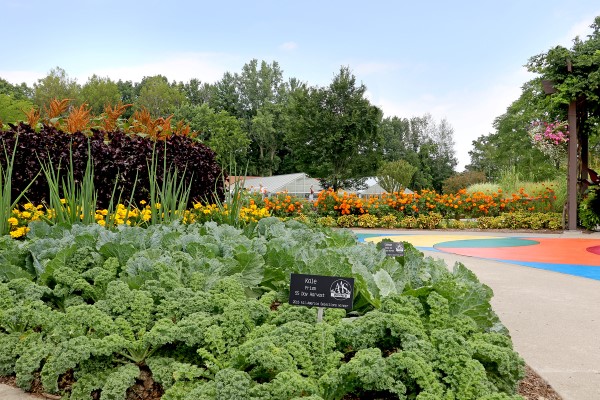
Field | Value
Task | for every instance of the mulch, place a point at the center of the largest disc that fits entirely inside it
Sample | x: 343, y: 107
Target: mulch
x: 532, y: 387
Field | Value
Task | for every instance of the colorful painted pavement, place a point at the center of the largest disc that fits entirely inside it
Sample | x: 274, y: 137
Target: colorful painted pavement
x: 574, y: 256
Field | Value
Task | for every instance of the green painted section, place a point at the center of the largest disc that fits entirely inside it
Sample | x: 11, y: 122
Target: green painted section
x: 487, y: 243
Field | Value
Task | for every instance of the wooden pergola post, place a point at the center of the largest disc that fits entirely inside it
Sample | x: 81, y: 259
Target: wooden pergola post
x: 572, y: 167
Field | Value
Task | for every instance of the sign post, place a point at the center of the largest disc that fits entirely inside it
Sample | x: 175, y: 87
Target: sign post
x: 322, y: 292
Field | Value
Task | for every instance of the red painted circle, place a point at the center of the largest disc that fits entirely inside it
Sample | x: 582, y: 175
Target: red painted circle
x: 594, y: 249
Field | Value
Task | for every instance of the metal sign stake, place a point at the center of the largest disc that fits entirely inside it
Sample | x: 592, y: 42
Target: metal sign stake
x: 319, y: 314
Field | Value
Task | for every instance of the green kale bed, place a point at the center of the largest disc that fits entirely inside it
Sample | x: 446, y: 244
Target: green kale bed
x: 202, y: 310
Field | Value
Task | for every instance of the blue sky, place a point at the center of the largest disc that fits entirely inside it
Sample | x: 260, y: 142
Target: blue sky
x: 458, y: 60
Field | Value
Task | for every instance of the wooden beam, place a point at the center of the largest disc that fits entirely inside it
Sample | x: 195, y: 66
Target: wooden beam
x: 572, y: 168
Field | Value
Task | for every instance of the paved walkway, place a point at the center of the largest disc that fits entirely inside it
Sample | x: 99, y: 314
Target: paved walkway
x: 553, y: 317
x: 546, y: 292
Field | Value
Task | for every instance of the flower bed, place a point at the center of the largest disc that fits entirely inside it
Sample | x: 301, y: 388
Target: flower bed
x: 424, y: 210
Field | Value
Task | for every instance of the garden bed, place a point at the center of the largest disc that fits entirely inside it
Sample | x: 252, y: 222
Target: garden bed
x: 202, y: 310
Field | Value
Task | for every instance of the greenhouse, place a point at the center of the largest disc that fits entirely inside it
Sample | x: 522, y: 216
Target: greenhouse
x: 298, y: 184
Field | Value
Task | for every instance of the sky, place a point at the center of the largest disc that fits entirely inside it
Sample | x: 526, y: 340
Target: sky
x: 459, y: 60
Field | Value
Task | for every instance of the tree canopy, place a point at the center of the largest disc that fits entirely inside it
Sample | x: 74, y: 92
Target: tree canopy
x: 267, y: 123
x: 575, y: 75
x: 334, y: 131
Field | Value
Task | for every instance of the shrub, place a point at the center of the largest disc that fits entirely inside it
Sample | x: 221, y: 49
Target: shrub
x: 589, y: 210
x: 388, y: 221
x: 326, y: 221
x: 430, y: 221
x: 458, y: 224
x: 409, y: 222
x: 347, y: 221
x: 485, y: 222
x: 113, y: 154
x: 487, y: 188
x: 305, y: 219
x: 462, y: 181
x: 367, y: 221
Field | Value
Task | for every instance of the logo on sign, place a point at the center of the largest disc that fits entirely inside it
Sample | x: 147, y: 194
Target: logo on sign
x: 340, y: 289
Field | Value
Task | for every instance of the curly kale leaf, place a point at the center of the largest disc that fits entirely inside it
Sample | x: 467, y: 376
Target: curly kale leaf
x: 32, y: 350
x: 167, y: 371
x: 118, y: 381
x: 504, y: 367
x: 232, y: 384
x: 302, y: 348
x: 365, y: 373
x: 286, y: 385
x: 9, y: 343
x: 134, y: 306
x: 378, y: 329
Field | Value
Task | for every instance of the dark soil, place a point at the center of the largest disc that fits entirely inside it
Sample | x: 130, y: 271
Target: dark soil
x: 533, y: 387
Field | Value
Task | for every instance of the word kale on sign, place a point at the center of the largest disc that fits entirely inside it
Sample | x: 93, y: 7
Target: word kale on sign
x: 321, y: 291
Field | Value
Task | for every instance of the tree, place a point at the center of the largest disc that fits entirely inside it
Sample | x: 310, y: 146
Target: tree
x: 56, y: 85
x: 18, y: 92
x: 509, y: 147
x: 424, y: 144
x: 158, y: 96
x: 575, y: 74
x: 13, y: 110
x: 219, y: 130
x: 128, y: 95
x: 334, y: 131
x: 463, y: 181
x: 264, y: 136
x: 98, y: 92
x: 395, y: 132
x: 257, y: 96
x: 196, y: 93
x: 394, y: 176
x: 442, y: 157
x: 225, y: 95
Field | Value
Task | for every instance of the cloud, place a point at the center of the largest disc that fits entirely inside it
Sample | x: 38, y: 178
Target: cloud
x: 18, y: 77
x: 288, y: 46
x: 581, y: 29
x: 369, y: 68
x: 207, y: 67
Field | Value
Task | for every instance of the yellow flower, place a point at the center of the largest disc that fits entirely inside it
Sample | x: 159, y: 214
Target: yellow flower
x: 19, y: 232
x: 26, y: 214
x: 102, y: 222
x: 142, y: 202
x: 13, y: 221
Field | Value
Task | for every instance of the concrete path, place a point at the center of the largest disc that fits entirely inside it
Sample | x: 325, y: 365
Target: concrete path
x: 10, y: 393
x: 553, y: 318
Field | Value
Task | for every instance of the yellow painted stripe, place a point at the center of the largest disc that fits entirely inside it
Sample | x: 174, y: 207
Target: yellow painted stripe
x: 427, y: 240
